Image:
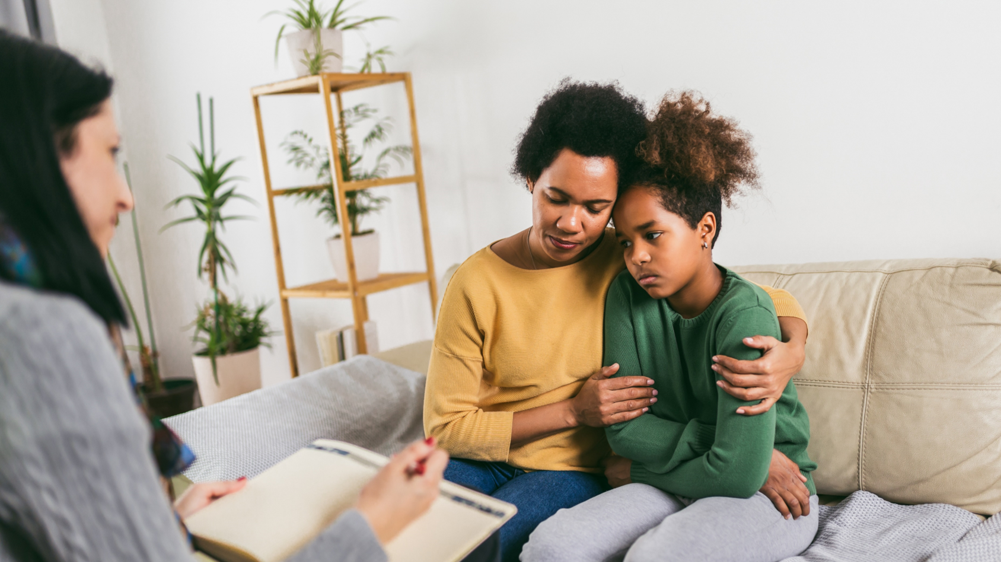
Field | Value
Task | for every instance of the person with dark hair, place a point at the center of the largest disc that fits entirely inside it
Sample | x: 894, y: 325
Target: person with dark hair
x: 694, y: 481
x: 516, y: 390
x: 78, y: 481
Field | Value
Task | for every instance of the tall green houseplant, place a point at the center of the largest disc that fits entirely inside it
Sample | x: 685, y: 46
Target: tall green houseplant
x: 222, y: 326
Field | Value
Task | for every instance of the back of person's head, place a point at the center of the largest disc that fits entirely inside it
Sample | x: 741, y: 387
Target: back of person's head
x: 44, y: 94
x: 588, y: 118
x: 694, y: 160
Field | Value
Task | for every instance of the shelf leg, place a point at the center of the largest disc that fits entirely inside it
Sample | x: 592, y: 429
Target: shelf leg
x: 279, y: 265
x: 357, y: 302
x: 422, y: 200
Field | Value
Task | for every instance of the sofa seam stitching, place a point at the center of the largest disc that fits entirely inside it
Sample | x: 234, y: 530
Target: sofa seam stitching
x: 898, y: 386
x: 883, y: 271
x: 868, y: 374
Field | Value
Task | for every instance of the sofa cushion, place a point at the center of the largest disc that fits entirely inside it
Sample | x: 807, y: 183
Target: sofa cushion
x: 363, y: 401
x: 902, y: 379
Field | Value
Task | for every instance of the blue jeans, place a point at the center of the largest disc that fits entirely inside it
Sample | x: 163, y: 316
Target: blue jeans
x: 538, y: 495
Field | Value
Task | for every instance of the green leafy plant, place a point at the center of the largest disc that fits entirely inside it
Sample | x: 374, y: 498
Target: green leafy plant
x: 306, y: 14
x: 221, y: 326
x: 314, y: 61
x: 306, y: 154
x: 376, y: 57
x: 149, y: 357
x: 230, y: 327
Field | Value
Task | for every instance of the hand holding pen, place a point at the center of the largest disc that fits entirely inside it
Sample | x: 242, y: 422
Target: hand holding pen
x: 404, y: 489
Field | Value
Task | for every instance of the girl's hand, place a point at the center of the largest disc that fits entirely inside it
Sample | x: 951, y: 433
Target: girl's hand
x: 200, y: 495
x: 786, y: 487
x: 617, y: 471
x: 399, y: 494
x: 765, y: 378
x: 604, y: 401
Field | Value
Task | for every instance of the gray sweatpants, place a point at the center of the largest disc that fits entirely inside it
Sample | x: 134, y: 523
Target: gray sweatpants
x: 641, y: 523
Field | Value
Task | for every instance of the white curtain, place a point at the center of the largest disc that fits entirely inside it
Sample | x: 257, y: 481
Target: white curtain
x: 31, y: 18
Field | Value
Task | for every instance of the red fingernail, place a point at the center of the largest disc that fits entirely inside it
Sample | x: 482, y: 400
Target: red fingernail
x: 429, y: 440
x: 241, y: 479
x: 419, y: 470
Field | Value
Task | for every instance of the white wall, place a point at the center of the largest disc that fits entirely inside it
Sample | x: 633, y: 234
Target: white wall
x: 876, y: 125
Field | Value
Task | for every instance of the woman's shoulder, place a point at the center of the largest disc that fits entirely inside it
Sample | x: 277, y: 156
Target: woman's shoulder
x: 56, y: 334
x: 744, y: 302
x: 24, y: 310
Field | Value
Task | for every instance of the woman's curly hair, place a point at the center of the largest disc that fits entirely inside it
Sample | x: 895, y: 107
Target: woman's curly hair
x: 694, y: 160
x: 590, y: 119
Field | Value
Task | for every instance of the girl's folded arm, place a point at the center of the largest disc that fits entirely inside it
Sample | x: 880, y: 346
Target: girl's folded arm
x: 659, y: 442
x: 737, y: 463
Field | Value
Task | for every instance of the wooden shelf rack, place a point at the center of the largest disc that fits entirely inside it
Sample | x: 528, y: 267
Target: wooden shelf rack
x: 327, y: 86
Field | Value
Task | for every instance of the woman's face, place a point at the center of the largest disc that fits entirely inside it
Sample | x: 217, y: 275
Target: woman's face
x: 571, y: 205
x: 99, y: 192
x: 662, y: 252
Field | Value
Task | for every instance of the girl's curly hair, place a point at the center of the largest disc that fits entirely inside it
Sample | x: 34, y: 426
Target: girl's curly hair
x: 590, y: 119
x: 695, y: 160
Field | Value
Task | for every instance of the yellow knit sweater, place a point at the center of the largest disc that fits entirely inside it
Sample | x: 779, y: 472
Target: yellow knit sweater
x: 511, y: 339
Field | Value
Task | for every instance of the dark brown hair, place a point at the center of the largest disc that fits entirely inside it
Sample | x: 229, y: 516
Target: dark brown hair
x: 694, y: 160
x: 589, y: 118
x: 44, y: 94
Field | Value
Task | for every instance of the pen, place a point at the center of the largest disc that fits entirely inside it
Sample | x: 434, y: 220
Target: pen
x: 418, y: 467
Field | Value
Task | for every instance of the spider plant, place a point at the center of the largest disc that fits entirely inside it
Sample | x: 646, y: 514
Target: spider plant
x: 376, y: 57
x: 306, y: 154
x: 305, y: 14
x: 214, y: 258
x: 314, y: 62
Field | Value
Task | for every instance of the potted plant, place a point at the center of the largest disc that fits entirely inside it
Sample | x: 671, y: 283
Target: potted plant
x: 164, y: 397
x: 230, y: 334
x: 318, y: 45
x: 308, y: 155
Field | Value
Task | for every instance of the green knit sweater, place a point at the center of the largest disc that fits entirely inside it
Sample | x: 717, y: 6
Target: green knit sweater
x: 692, y: 442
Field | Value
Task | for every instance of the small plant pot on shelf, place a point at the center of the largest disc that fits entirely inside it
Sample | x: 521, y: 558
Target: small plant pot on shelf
x: 177, y: 397
x: 302, y: 47
x: 366, y: 250
x: 239, y: 373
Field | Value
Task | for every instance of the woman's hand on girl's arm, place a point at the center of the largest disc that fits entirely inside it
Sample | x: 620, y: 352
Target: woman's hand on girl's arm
x: 765, y: 378
x: 604, y: 401
x: 786, y: 487
x: 601, y: 402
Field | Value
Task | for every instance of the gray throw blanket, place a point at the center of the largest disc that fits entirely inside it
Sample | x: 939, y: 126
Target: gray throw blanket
x: 865, y: 527
x: 377, y: 405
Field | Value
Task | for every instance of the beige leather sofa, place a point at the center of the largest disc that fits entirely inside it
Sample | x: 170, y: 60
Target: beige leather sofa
x: 902, y: 379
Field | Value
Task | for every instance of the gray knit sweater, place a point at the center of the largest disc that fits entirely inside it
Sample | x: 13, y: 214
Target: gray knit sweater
x: 77, y: 478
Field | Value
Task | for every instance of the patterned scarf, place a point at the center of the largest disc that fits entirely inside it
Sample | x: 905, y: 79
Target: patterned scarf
x: 17, y: 264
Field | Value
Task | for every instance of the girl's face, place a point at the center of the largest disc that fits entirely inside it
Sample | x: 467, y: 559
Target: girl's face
x: 90, y: 170
x: 663, y: 253
x: 571, y: 205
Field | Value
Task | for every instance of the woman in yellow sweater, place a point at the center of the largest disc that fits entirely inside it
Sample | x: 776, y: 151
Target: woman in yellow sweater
x: 516, y: 392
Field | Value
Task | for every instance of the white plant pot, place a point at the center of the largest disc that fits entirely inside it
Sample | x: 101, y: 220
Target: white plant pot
x: 302, y: 45
x: 239, y: 373
x: 366, y: 249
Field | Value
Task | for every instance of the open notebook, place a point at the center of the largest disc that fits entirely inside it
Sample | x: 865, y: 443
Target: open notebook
x: 283, y: 508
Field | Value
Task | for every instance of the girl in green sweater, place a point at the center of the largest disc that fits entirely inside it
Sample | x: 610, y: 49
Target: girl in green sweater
x: 690, y: 470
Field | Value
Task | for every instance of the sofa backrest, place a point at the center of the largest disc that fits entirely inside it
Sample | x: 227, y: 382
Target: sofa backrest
x: 902, y: 380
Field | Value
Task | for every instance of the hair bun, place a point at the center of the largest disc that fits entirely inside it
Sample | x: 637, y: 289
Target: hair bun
x: 696, y: 150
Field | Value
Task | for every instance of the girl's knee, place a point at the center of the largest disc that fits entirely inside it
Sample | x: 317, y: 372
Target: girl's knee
x: 645, y: 549
x: 550, y: 541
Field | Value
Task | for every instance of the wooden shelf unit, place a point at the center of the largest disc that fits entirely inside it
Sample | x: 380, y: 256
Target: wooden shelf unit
x: 327, y: 86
